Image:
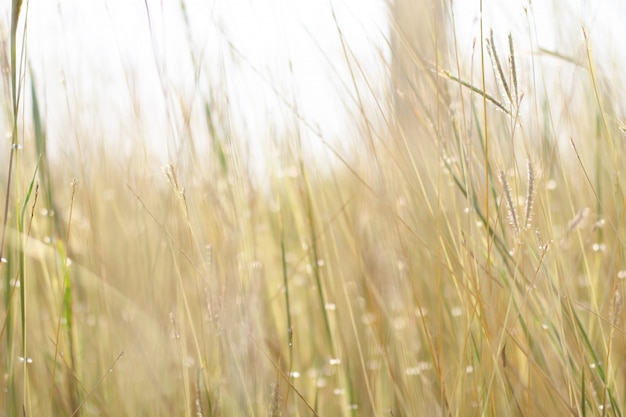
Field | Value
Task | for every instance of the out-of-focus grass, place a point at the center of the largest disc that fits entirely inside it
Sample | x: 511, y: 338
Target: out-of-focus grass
x: 465, y: 261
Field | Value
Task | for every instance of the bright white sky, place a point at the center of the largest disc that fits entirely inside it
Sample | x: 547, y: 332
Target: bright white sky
x: 94, y: 55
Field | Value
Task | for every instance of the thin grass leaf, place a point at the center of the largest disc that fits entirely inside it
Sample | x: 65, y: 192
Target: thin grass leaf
x: 16, y: 7
x: 287, y: 302
x: 44, y: 163
x: 477, y: 90
x: 583, y: 396
x: 218, y: 147
x: 315, y: 260
x: 22, y: 283
x: 599, y: 368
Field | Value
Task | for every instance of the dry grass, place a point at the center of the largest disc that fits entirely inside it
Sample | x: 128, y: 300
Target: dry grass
x: 465, y: 261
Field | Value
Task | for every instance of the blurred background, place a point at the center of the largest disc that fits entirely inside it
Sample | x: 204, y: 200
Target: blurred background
x: 140, y: 68
x: 245, y: 198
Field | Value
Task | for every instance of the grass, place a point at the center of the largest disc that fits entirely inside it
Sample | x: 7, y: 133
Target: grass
x: 464, y: 257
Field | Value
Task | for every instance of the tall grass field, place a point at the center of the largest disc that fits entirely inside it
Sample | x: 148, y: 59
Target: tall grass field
x: 458, y: 252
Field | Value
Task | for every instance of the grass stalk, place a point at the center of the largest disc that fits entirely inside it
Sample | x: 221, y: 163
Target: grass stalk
x: 414, y: 267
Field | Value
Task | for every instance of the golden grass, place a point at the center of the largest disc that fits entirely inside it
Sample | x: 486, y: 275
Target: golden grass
x: 467, y: 261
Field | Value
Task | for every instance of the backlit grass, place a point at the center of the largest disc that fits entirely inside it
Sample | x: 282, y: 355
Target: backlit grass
x: 460, y: 254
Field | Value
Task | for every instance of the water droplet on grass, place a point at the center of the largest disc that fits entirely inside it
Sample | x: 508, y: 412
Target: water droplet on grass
x: 414, y: 370
x: 598, y: 247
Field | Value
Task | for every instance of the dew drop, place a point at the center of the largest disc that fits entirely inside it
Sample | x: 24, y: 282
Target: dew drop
x: 598, y: 247
x: 412, y: 371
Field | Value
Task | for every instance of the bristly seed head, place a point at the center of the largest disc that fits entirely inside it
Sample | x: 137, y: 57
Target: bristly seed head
x: 578, y: 220
x: 512, y: 210
x: 513, y: 70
